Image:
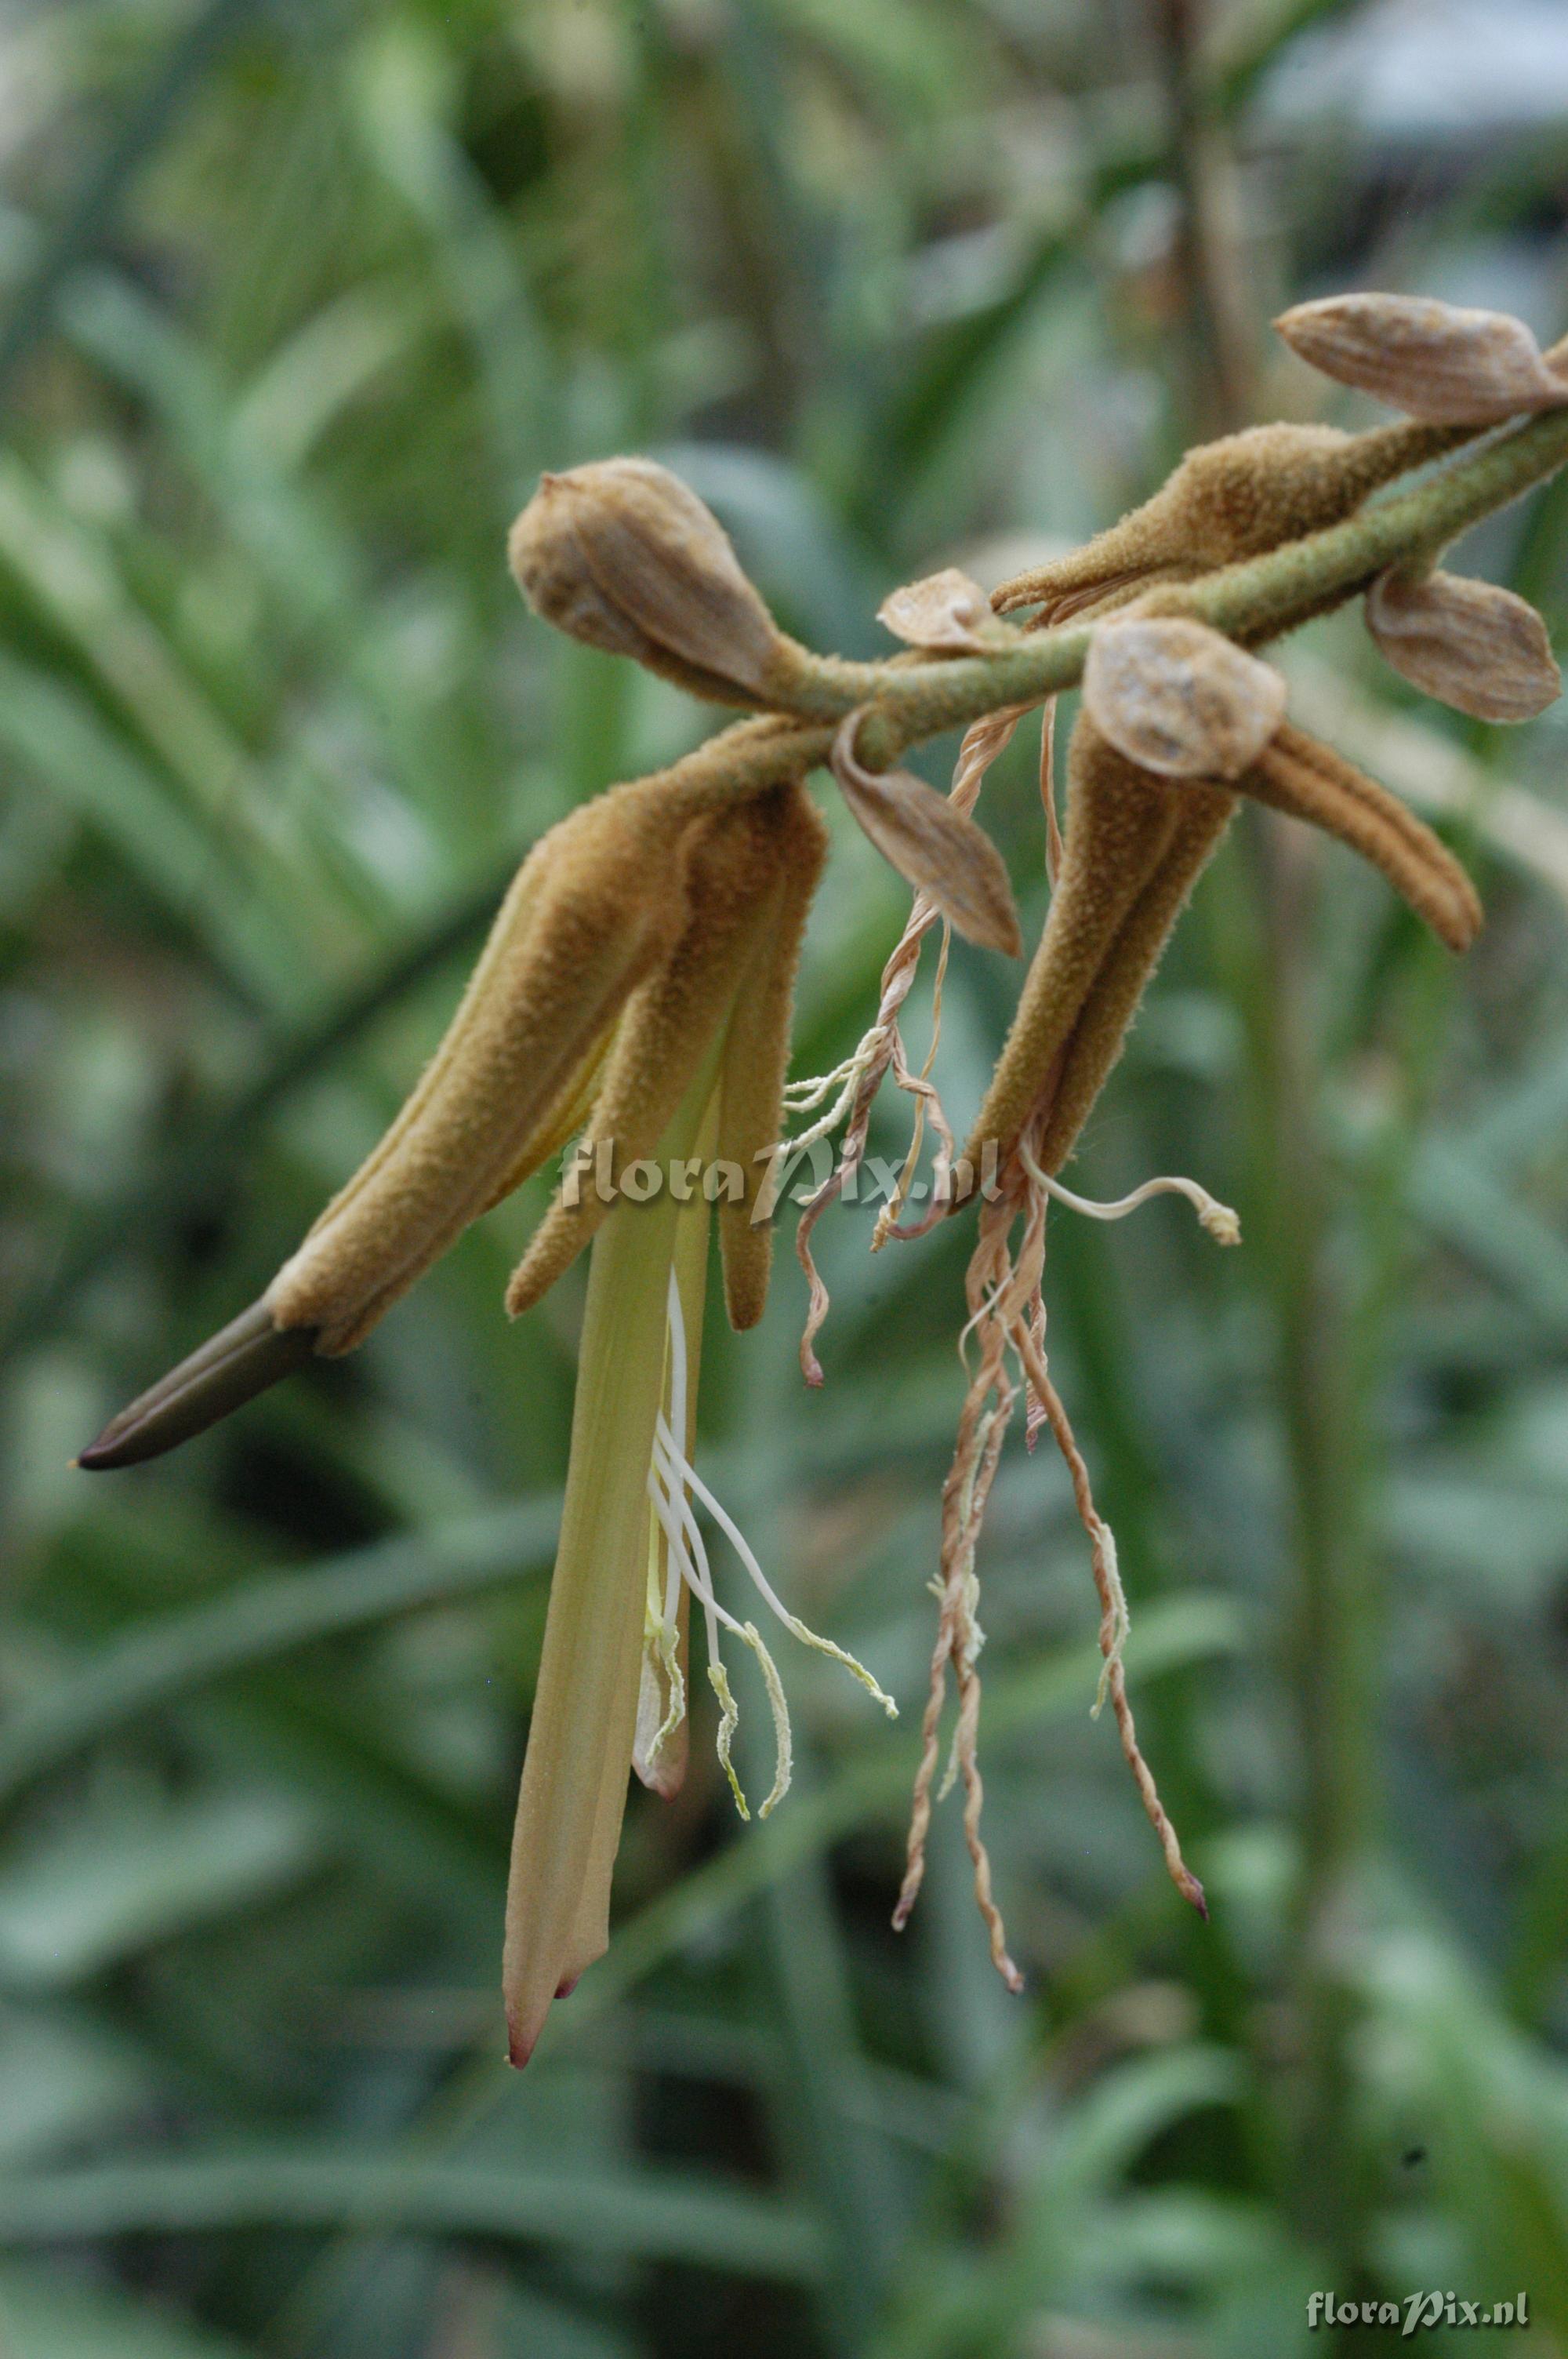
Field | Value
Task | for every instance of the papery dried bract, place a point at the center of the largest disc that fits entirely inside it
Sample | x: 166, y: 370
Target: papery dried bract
x: 934, y: 847
x: 944, y: 610
x: 622, y: 554
x: 1434, y: 361
x: 1180, y: 700
x: 1469, y: 643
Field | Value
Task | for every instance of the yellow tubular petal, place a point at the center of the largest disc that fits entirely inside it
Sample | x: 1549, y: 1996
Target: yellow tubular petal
x: 1204, y: 814
x: 756, y: 1060
x: 1310, y: 781
x: 1119, y: 825
x: 580, y: 1741
x: 670, y: 1021
x: 593, y: 909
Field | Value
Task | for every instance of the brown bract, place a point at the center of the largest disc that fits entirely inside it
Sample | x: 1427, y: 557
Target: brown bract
x: 935, y: 847
x: 1178, y: 699
x: 944, y: 610
x: 1434, y: 361
x: 1469, y: 643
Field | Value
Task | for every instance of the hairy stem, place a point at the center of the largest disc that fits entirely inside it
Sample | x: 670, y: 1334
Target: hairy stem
x: 907, y: 699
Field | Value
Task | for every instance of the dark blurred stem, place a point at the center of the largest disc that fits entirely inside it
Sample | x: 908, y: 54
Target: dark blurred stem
x: 1322, y: 1407
x: 1328, y: 1650
x: 1213, y: 326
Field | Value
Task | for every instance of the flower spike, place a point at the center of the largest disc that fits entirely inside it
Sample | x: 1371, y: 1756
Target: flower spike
x: 635, y: 992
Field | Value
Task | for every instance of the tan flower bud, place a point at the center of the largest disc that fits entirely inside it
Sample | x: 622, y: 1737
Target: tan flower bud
x: 935, y: 847
x: 622, y: 554
x: 1180, y: 700
x: 1432, y: 360
x: 1468, y: 643
x: 1228, y: 501
x: 944, y: 610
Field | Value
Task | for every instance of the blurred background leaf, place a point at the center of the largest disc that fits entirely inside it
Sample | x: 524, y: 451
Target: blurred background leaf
x: 296, y: 299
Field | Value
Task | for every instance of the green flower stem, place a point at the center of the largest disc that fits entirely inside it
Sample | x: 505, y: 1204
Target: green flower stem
x: 908, y: 698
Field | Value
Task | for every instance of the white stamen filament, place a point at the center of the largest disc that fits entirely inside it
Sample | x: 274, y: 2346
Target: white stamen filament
x: 853, y: 1068
x: 1221, y: 1223
x: 671, y: 1476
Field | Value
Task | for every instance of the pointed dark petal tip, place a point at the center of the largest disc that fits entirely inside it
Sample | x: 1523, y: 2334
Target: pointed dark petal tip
x: 242, y: 1360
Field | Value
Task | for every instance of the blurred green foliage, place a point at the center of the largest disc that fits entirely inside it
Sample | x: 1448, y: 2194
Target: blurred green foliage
x: 295, y: 300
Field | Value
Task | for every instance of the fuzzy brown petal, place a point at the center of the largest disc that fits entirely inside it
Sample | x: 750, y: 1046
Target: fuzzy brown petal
x: 939, y: 850
x: 594, y: 908
x: 1119, y: 826
x: 1308, y: 780
x: 1203, y: 814
x: 670, y: 1021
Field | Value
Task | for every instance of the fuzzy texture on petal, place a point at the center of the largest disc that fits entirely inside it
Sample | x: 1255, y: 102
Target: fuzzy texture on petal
x: 670, y: 1021
x: 1306, y: 779
x: 1229, y: 500
x: 1119, y: 826
x: 594, y: 908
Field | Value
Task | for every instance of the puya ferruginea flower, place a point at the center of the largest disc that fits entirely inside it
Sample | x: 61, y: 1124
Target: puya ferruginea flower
x: 635, y: 996
x: 636, y: 990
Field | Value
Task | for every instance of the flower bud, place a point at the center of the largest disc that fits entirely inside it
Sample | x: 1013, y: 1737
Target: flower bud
x: 1180, y: 700
x: 1468, y: 643
x: 620, y: 553
x: 1432, y: 360
x: 944, y: 610
x: 1228, y: 501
